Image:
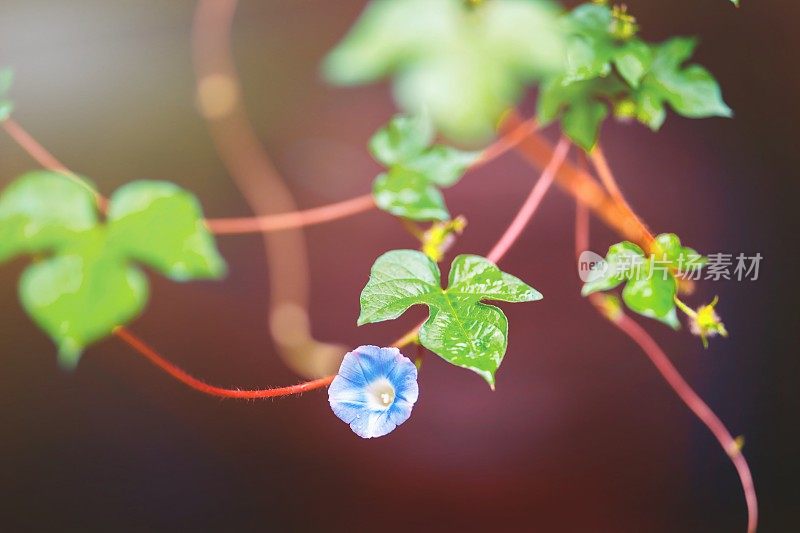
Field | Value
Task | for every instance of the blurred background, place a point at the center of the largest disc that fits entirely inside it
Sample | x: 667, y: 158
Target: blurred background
x: 581, y: 435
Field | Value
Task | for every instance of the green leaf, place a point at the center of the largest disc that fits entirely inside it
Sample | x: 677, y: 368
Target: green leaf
x: 443, y: 165
x: 581, y: 123
x: 401, y: 139
x: 410, y: 188
x: 582, y: 104
x: 84, y: 282
x: 42, y: 210
x: 80, y: 296
x: 459, y: 329
x: 650, y: 284
x: 464, y: 65
x: 622, y: 260
x: 668, y: 247
x: 645, y: 78
x: 633, y: 61
x: 160, y: 224
x: 409, y: 194
x: 652, y: 295
x: 691, y: 91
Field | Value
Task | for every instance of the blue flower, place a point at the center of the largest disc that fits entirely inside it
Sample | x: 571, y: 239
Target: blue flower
x: 374, y: 390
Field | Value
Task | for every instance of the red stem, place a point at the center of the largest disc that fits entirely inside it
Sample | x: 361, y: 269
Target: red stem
x: 177, y: 373
x: 674, y: 379
x: 698, y: 407
x: 531, y: 204
x: 266, y: 223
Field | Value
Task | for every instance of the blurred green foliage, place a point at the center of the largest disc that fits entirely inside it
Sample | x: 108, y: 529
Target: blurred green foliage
x: 84, y: 282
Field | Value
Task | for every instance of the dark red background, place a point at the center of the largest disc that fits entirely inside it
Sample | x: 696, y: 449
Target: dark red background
x: 581, y: 434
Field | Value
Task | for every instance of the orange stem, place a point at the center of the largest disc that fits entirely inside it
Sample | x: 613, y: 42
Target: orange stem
x: 607, y: 178
x: 579, y: 184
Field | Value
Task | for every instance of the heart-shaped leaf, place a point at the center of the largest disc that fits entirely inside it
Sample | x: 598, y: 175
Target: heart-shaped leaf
x: 460, y: 329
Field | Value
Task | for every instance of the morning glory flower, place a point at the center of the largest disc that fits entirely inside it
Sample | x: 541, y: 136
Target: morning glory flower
x: 374, y: 390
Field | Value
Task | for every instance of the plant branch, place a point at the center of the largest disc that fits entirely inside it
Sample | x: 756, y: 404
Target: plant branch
x: 531, y: 203
x: 672, y: 376
x: 579, y: 184
x: 514, y: 230
x: 610, y: 183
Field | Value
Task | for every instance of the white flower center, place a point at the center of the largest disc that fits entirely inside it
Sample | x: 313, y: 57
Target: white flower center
x: 380, y: 394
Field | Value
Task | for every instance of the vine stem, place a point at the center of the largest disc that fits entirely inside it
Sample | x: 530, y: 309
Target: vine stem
x: 265, y: 223
x: 514, y: 230
x: 531, y: 204
x: 610, y: 183
x: 154, y: 357
x: 295, y: 219
x: 47, y: 160
x: 353, y: 206
x: 508, y: 238
x: 673, y: 378
x: 580, y: 185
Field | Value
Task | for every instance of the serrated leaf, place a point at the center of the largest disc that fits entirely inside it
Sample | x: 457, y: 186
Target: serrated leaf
x: 464, y: 65
x: 80, y: 296
x: 161, y: 225
x: 86, y: 284
x: 460, y: 329
x: 42, y: 210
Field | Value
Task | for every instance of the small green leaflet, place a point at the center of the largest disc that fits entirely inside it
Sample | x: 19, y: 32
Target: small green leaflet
x: 84, y: 281
x: 606, y: 68
x: 691, y: 91
x: 464, y: 64
x: 460, y: 329
x: 6, y: 106
x: 416, y: 170
x: 650, y: 282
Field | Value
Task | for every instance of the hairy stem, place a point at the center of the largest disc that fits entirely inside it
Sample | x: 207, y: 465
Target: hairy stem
x: 141, y: 347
